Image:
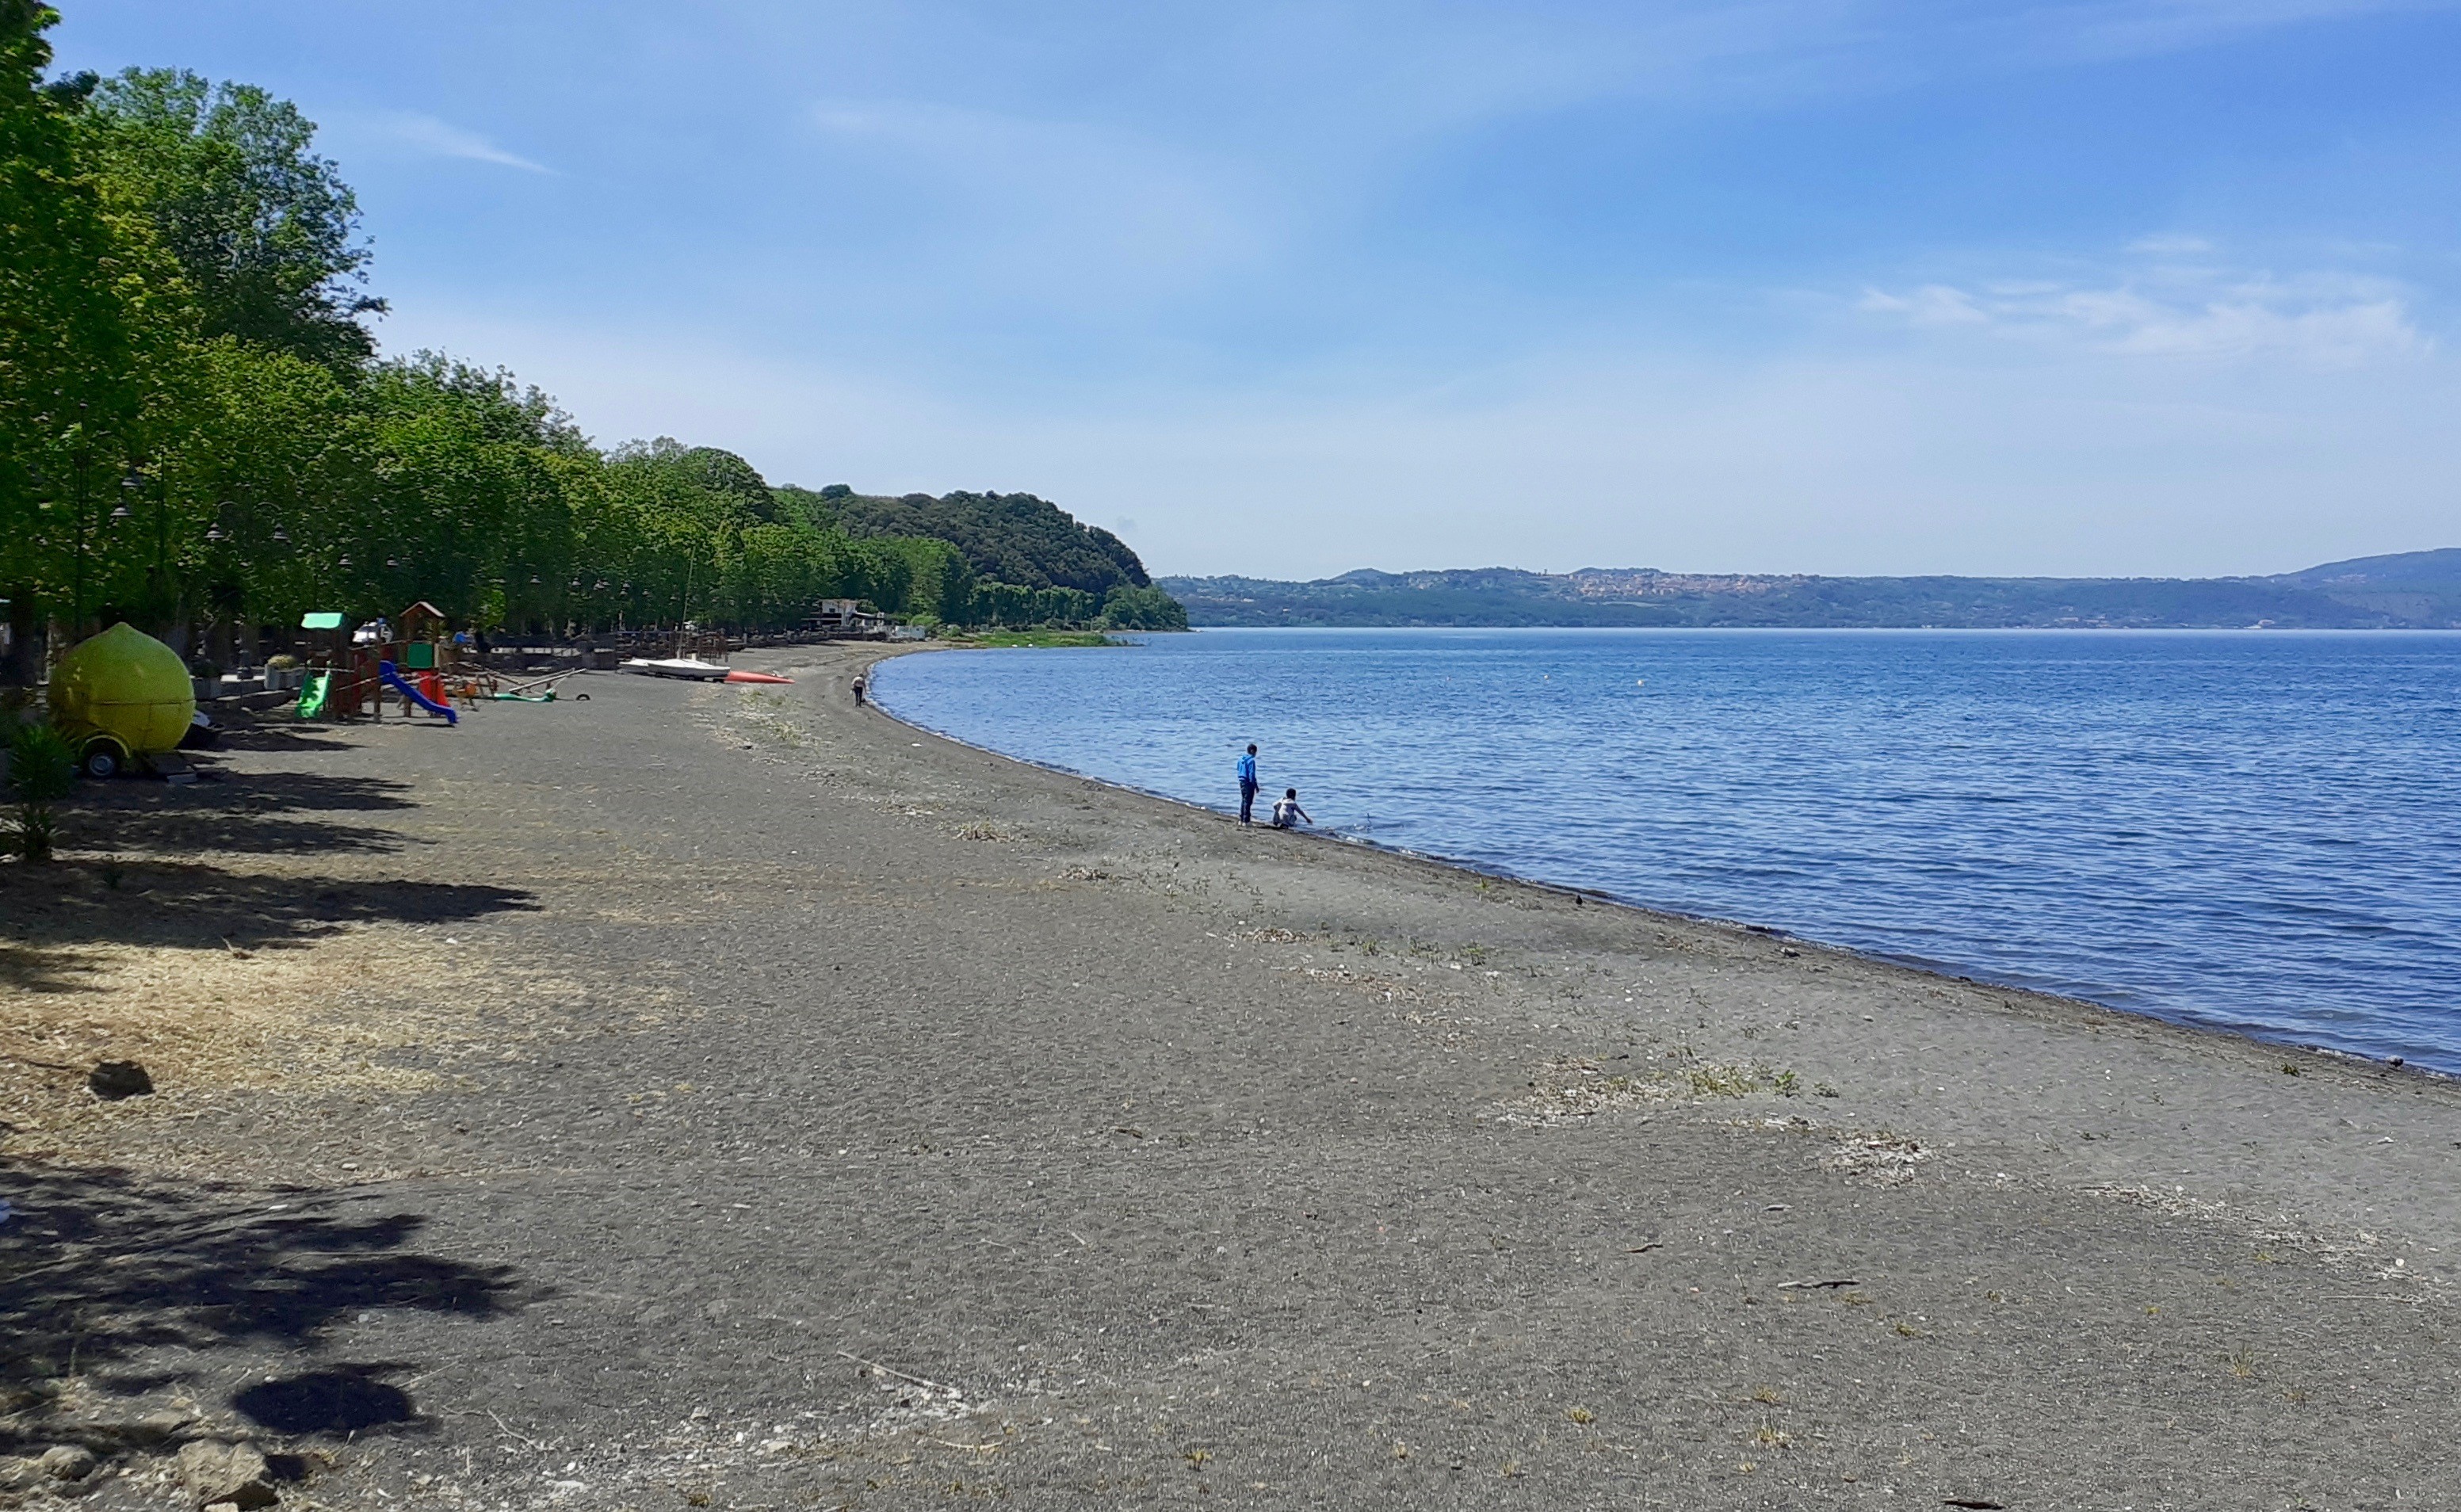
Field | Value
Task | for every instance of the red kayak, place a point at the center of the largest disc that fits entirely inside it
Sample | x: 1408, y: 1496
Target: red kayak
x: 741, y: 676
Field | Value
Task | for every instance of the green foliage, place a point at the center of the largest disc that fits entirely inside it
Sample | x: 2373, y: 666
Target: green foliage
x: 42, y: 771
x: 1013, y: 604
x: 1134, y: 608
x: 264, y: 230
x: 193, y: 433
x: 1040, y: 639
x: 91, y: 325
x: 1007, y: 538
x: 42, y: 764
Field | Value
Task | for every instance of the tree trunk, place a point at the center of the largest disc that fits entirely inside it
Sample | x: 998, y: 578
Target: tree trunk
x: 21, y: 663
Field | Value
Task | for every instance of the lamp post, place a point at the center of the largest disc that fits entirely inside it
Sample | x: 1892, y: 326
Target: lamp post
x: 165, y: 601
x: 77, y: 581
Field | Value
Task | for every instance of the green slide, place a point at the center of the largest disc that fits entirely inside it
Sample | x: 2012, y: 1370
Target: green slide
x: 312, y: 694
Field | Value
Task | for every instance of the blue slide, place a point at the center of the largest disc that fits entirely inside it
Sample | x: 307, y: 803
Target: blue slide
x: 393, y: 680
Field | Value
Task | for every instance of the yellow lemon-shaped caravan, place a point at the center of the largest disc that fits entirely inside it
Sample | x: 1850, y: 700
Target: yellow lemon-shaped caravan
x: 121, y: 696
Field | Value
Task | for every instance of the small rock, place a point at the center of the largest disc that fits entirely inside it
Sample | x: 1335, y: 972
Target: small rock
x: 153, y: 1428
x: 115, y: 1079
x: 225, y: 1474
x: 66, y: 1463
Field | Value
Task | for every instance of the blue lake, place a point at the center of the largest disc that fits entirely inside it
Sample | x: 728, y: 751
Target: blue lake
x: 2259, y: 830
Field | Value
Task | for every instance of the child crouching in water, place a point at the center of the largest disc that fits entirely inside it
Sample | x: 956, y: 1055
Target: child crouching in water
x: 1287, y: 813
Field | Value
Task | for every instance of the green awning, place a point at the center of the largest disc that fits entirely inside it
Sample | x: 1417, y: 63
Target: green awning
x: 330, y: 620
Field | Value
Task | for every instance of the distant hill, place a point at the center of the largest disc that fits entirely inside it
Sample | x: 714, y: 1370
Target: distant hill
x: 1006, y: 538
x: 2415, y: 589
x: 2421, y: 586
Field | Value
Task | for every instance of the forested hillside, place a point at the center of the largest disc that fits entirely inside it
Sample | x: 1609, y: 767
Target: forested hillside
x: 2419, y: 587
x: 1014, y: 538
x: 2423, y: 589
x: 1023, y: 549
x: 196, y: 434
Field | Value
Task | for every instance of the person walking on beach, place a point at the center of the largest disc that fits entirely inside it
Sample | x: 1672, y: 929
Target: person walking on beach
x: 1248, y: 787
x: 1287, y: 813
x: 858, y: 690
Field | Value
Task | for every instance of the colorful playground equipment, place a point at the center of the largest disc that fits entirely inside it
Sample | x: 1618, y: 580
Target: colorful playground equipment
x: 124, y: 699
x: 412, y: 658
x: 521, y: 692
x: 429, y: 698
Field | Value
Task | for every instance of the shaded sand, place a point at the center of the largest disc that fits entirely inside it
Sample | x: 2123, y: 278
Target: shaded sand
x: 709, y: 1096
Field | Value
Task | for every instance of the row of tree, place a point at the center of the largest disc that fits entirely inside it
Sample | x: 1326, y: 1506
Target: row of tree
x: 194, y: 429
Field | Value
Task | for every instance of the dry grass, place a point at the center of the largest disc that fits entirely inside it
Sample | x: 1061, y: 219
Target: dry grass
x: 1583, y: 1088
x: 1881, y: 1159
x: 237, y: 1030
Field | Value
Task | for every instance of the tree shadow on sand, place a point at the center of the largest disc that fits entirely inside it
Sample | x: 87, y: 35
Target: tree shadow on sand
x: 131, y: 1286
x: 48, y: 913
x: 125, y: 878
x: 263, y: 813
x: 279, y: 734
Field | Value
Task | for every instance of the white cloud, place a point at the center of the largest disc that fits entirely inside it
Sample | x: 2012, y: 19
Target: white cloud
x: 2325, y: 319
x: 425, y: 135
x: 1993, y: 458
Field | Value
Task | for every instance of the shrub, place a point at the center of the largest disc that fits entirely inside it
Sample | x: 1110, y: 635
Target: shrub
x: 42, y: 771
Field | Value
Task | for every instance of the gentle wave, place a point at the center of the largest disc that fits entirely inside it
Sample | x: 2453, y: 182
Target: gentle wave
x: 2250, y: 830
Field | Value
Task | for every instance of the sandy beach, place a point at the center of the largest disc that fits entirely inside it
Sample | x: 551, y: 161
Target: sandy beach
x: 708, y: 1095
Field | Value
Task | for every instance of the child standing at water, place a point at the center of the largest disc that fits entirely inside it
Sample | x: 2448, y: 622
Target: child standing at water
x: 1287, y: 813
x: 1246, y: 785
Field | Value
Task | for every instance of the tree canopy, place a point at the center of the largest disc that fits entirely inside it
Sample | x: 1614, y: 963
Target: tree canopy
x: 1013, y: 537
x: 264, y: 231
x: 195, y: 430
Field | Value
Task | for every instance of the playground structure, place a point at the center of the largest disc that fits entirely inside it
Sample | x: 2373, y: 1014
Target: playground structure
x: 124, y: 699
x: 413, y: 659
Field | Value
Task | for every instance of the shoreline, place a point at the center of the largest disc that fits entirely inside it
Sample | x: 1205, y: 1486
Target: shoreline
x: 1945, y: 970
x: 716, y: 1091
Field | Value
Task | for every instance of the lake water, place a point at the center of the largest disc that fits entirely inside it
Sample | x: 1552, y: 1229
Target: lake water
x: 2259, y: 830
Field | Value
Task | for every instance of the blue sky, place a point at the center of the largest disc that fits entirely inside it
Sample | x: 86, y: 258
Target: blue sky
x: 2114, y: 288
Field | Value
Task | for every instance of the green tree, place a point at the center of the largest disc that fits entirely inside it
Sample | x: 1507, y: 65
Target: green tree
x: 193, y: 432
x: 1132, y: 608
x: 94, y: 339
x: 265, y: 230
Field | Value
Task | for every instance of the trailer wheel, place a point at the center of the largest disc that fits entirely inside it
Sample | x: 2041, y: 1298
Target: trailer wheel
x: 102, y: 761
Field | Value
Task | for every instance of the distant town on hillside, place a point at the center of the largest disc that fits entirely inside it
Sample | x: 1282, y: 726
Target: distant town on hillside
x: 2417, y: 590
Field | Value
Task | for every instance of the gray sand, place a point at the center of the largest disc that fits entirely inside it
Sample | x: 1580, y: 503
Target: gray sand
x: 826, y: 1114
